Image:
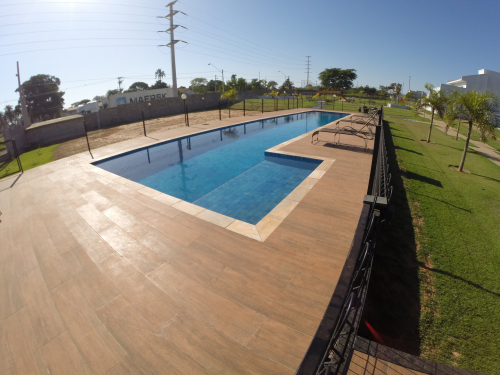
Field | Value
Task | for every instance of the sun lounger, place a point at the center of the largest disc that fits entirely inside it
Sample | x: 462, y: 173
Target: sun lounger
x: 364, y: 132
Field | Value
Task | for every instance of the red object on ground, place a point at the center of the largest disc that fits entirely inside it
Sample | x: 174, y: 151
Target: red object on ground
x: 375, y: 334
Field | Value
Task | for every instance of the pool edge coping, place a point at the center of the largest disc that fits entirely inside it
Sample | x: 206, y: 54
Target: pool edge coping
x: 267, y: 225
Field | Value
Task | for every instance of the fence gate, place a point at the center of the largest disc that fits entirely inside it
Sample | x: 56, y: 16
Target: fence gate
x: 8, y: 165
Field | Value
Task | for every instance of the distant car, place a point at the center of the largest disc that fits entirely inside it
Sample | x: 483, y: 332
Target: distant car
x: 90, y: 107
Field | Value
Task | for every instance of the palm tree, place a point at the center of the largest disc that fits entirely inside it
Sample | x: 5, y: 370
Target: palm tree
x: 159, y: 74
x: 452, y: 112
x: 480, y: 110
x: 437, y: 101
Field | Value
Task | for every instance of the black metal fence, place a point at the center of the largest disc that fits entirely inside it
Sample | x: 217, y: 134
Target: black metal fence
x: 9, y: 166
x: 331, y: 349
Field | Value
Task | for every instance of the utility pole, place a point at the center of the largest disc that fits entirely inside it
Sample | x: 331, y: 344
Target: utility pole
x: 308, y: 68
x: 120, y: 81
x: 409, y: 82
x: 222, y: 72
x: 173, y: 41
x: 26, y: 118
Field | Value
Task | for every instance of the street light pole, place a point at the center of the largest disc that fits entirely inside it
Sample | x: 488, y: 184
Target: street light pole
x: 222, y: 71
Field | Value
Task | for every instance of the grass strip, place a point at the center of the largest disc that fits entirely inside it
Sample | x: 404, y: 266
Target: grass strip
x: 29, y: 160
x: 445, y: 232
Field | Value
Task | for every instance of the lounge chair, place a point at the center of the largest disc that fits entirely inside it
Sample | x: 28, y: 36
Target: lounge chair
x: 365, y: 134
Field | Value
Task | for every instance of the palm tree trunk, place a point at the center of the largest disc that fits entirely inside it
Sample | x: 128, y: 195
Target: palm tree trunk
x: 458, y: 129
x: 461, y: 167
x: 430, y: 129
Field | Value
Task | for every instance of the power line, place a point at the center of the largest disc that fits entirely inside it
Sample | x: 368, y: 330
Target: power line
x: 80, y: 47
x: 65, y: 30
x: 80, y: 3
x: 225, y: 22
x: 221, y: 39
x: 74, y: 12
x: 240, y: 53
x: 72, y: 39
x: 72, y: 21
x: 225, y: 59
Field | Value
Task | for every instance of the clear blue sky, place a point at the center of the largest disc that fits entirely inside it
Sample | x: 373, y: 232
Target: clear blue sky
x: 88, y: 43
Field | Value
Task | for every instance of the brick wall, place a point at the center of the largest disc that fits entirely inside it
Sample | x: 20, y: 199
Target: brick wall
x: 55, y: 131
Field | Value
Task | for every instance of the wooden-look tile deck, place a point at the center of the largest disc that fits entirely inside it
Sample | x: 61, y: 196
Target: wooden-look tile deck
x: 100, y: 277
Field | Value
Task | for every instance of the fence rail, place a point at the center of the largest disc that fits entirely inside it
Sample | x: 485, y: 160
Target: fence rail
x: 331, y: 349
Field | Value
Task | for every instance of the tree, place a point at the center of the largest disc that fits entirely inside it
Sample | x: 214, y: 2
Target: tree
x: 287, y: 85
x: 160, y: 85
x: 336, y: 78
x: 272, y: 85
x: 257, y: 84
x: 80, y: 102
x: 393, y: 90
x: 452, y: 112
x: 408, y: 97
x: 138, y: 86
x: 10, y: 115
x: 236, y: 83
x: 214, y: 85
x: 231, y: 95
x: 367, y: 90
x: 43, y: 96
x: 199, y: 85
x: 437, y: 101
x: 159, y: 74
x: 480, y: 110
x: 112, y: 92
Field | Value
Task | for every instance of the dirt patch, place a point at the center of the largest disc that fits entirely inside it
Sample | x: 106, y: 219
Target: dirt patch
x: 455, y: 168
x: 105, y: 137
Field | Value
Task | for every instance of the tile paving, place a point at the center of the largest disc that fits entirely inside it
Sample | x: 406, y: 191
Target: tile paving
x: 101, y: 277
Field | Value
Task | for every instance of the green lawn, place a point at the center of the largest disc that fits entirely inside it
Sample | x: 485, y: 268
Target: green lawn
x: 29, y: 160
x: 439, y: 262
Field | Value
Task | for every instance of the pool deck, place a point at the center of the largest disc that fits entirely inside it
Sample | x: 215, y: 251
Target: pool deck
x: 99, y: 278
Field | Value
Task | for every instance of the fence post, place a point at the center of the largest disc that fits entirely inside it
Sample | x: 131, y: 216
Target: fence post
x: 220, y: 115
x: 342, y: 106
x: 288, y: 103
x: 229, y: 108
x: 262, y: 105
x: 187, y: 116
x: 18, y: 157
x: 143, y: 123
x: 321, y: 102
x: 86, y: 136
x: 244, y: 108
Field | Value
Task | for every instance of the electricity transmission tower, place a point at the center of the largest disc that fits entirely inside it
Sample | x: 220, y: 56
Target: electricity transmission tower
x: 308, y: 69
x: 172, y: 41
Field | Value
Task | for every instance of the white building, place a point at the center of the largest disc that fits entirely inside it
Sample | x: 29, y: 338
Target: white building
x: 139, y: 96
x: 484, y: 80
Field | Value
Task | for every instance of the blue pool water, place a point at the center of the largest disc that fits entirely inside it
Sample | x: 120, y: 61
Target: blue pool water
x: 226, y: 170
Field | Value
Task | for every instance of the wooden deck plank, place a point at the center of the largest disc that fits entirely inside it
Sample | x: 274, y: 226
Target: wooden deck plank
x: 62, y: 357
x: 24, y: 352
x: 97, y: 277
x: 154, y: 305
x: 98, y: 348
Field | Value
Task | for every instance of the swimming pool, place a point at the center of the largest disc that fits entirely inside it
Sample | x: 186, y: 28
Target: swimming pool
x: 226, y: 170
